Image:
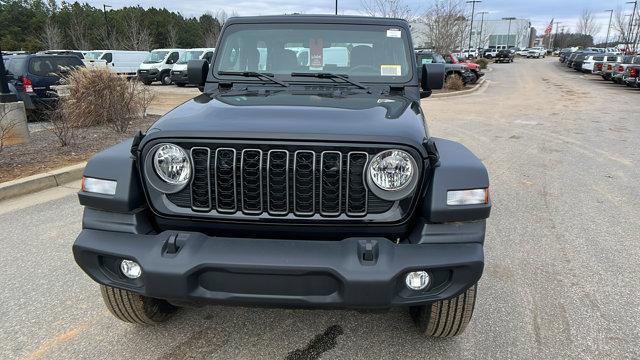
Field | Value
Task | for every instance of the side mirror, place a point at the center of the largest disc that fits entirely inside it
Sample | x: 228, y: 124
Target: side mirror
x: 432, y: 78
x: 197, y: 71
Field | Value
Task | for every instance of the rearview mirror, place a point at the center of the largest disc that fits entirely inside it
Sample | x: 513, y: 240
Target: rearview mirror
x: 432, y: 78
x: 197, y: 71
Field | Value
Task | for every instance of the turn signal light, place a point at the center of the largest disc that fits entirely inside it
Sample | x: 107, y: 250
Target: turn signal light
x: 99, y: 186
x: 468, y: 197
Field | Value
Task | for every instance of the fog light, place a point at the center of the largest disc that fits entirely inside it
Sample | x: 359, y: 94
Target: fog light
x: 417, y: 280
x: 130, y: 269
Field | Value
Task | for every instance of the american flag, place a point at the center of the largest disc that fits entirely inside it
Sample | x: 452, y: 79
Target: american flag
x: 549, y: 28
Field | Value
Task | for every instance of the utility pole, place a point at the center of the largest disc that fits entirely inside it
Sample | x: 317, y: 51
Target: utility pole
x: 481, y: 24
x: 5, y: 96
x: 633, y: 13
x: 473, y: 9
x: 104, y: 11
x: 606, y: 42
x: 336, y: 7
x: 509, y: 31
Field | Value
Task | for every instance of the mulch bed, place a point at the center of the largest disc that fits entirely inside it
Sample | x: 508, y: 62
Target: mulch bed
x: 44, y: 153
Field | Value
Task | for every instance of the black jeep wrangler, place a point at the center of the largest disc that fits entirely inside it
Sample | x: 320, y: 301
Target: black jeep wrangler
x: 304, y: 175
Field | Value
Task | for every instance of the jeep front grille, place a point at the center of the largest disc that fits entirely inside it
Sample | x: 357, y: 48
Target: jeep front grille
x: 286, y: 181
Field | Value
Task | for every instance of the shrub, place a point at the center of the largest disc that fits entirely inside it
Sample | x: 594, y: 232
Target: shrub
x: 482, y: 62
x: 99, y: 97
x: 454, y: 83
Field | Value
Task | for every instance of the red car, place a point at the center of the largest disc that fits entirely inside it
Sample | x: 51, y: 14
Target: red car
x: 475, y: 68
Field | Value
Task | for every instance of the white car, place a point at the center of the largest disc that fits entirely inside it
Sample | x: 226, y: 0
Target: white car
x: 124, y: 63
x: 158, y: 65
x: 537, y: 52
x: 523, y: 52
x: 179, y: 74
x: 470, y: 54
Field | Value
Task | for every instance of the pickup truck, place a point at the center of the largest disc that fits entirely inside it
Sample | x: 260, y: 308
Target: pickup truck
x: 631, y: 75
x: 603, y: 64
x: 536, y: 52
x: 620, y: 68
x: 430, y: 57
x: 504, y: 56
x: 292, y: 184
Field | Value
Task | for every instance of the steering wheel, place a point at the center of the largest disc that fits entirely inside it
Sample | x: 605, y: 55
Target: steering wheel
x: 362, y: 69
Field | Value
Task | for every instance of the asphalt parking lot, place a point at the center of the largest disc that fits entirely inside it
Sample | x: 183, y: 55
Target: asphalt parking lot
x: 561, y: 277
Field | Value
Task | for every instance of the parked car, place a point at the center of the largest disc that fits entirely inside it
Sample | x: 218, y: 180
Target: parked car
x: 298, y: 187
x: 603, y: 64
x: 621, y: 67
x: 579, y: 60
x: 631, y: 75
x: 430, y: 57
x: 589, y: 62
x: 536, y: 53
x: 490, y: 53
x: 522, y: 52
x: 125, y: 63
x: 157, y: 66
x: 504, y: 56
x: 34, y: 75
x: 475, y: 68
x: 571, y: 58
x: 470, y: 53
x: 179, y: 74
x: 564, y: 54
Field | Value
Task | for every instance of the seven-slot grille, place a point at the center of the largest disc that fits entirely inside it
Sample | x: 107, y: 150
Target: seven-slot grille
x: 279, y: 182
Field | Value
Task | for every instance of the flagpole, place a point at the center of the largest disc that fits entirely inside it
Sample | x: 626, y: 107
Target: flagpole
x: 549, y: 34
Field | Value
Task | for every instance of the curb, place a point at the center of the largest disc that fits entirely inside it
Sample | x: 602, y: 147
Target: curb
x: 478, y: 86
x: 43, y: 181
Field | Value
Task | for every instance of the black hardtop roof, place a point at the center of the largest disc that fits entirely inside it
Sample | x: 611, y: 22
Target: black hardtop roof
x: 321, y: 19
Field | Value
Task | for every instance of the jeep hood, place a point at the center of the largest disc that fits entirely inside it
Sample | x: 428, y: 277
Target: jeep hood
x: 287, y: 115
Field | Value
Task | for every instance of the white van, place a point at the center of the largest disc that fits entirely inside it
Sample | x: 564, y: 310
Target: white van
x: 121, y: 62
x: 157, y: 66
x: 179, y: 71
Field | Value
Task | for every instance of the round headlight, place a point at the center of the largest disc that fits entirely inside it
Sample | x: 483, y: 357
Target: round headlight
x: 392, y: 170
x: 172, y: 164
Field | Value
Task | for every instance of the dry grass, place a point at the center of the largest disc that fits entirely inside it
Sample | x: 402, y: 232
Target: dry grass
x: 454, y: 83
x: 482, y: 62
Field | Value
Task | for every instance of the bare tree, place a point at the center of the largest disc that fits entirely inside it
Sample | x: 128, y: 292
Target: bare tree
x: 172, y: 36
x: 588, y: 24
x: 79, y: 33
x: 51, y: 36
x: 222, y: 16
x: 137, y: 36
x: 444, y: 24
x: 387, y: 8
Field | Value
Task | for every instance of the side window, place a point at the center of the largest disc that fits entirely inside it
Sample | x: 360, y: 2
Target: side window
x: 108, y: 57
x: 173, y: 58
x: 208, y: 56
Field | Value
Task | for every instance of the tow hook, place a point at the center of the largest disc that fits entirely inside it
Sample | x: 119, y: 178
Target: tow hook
x: 174, y: 243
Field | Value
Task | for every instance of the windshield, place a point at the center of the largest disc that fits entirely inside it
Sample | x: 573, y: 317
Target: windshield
x: 189, y: 55
x: 93, y: 55
x: 368, y: 53
x: 156, y: 57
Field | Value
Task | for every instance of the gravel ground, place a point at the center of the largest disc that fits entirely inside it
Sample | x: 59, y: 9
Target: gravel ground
x: 561, y: 279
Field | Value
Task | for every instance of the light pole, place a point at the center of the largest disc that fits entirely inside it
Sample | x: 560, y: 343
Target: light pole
x: 336, y: 7
x: 481, y: 24
x: 606, y: 42
x: 633, y: 13
x: 509, y: 31
x: 473, y: 9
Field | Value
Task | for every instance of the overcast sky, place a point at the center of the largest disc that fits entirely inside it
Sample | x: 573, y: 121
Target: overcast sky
x: 540, y: 12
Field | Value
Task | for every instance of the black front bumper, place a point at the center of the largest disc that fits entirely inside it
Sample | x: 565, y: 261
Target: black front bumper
x: 355, y: 272
x: 149, y: 75
x: 179, y: 77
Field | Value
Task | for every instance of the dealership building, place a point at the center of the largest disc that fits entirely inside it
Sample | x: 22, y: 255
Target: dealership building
x: 500, y: 34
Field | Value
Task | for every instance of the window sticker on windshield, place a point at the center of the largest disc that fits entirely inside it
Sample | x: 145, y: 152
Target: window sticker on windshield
x: 394, y: 33
x: 427, y: 61
x: 316, y: 54
x: 390, y: 70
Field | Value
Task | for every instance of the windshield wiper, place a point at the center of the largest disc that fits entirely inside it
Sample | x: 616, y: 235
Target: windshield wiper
x: 326, y: 75
x: 259, y: 75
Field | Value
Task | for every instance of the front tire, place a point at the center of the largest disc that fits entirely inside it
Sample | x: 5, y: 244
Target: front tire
x: 134, y: 308
x: 445, y: 318
x: 166, y: 79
